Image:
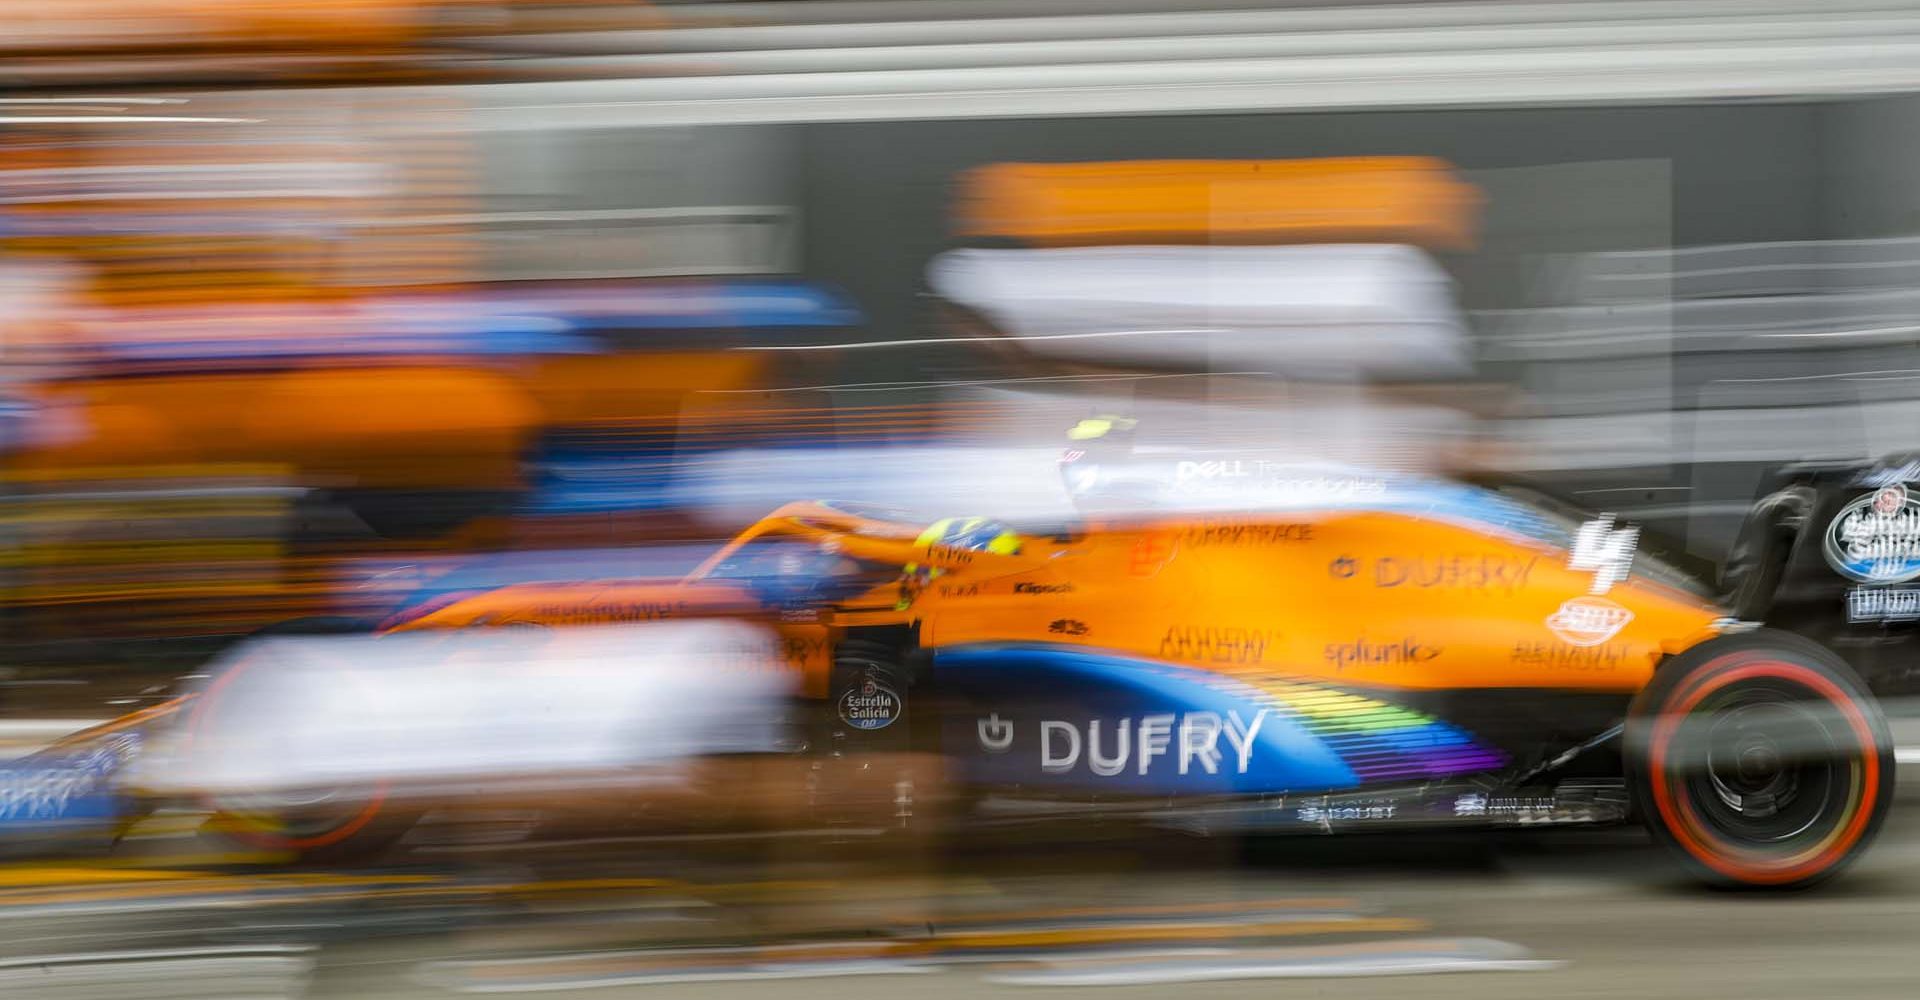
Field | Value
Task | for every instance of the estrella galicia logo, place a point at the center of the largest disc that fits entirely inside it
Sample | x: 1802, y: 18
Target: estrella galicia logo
x: 870, y: 706
x: 1876, y: 537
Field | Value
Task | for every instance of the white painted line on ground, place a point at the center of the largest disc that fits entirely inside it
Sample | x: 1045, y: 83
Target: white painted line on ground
x: 152, y: 954
x: 20, y: 737
x: 44, y: 729
x: 809, y: 970
x: 1213, y: 972
x: 1907, y: 755
x: 1392, y: 958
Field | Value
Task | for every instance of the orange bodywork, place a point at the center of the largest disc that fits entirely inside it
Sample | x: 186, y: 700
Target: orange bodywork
x: 1384, y: 199
x: 354, y: 426
x: 372, y: 426
x: 1365, y: 599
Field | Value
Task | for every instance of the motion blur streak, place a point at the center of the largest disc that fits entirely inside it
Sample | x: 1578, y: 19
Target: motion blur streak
x: 836, y: 496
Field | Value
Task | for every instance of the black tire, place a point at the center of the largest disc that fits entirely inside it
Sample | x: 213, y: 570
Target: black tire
x: 1761, y: 760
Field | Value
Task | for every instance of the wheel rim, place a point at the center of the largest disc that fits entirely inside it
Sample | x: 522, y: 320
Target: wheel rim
x: 1770, y: 769
x: 291, y: 819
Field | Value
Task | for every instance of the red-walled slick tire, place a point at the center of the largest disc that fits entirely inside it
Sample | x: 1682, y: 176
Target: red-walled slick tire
x: 1761, y: 760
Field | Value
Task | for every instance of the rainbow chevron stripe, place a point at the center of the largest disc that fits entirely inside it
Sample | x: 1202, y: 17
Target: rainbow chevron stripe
x: 1378, y: 740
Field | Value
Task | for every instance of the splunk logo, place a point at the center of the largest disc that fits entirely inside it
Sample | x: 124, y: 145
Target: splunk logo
x: 1217, y: 644
x: 1364, y: 652
x: 1189, y: 742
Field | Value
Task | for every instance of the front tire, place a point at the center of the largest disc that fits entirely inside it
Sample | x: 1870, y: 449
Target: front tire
x: 322, y: 827
x: 1760, y: 759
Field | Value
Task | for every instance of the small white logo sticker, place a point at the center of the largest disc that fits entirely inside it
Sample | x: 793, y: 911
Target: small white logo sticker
x: 1604, y: 549
x: 1889, y: 604
x: 996, y: 734
x: 1588, y: 621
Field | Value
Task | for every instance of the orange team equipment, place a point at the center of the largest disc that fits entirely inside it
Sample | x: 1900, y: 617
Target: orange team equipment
x: 1389, y: 199
x: 396, y: 426
x: 93, y: 25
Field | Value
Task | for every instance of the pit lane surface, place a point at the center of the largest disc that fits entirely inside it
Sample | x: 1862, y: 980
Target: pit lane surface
x: 1567, y: 913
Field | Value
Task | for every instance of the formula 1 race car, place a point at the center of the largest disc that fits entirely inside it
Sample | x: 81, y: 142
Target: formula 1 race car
x: 1355, y: 650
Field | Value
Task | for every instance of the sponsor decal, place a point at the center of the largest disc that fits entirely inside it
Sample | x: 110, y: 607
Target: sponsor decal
x: 69, y: 786
x: 1898, y: 475
x: 1233, y: 469
x: 630, y: 611
x: 1030, y: 587
x: 1343, y: 568
x: 960, y: 590
x: 1604, y: 550
x: 1557, y: 657
x: 1275, y: 476
x: 1149, y: 553
x: 1505, y: 574
x: 1876, y: 537
x: 1588, y: 621
x: 802, y: 648
x: 1071, y: 455
x: 1331, y: 814
x: 43, y: 793
x: 1067, y: 626
x: 1211, y: 644
x: 870, y: 706
x: 1245, y: 533
x: 1475, y: 804
x: 996, y: 734
x: 1188, y: 743
x: 949, y: 553
x: 1883, y: 604
x: 1362, y: 652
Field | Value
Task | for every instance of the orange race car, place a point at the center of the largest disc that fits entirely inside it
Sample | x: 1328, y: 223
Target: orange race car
x: 1343, y: 650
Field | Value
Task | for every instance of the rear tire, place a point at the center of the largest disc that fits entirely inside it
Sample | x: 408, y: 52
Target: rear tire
x: 1761, y: 760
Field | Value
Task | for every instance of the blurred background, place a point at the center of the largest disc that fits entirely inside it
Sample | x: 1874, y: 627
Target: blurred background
x: 313, y: 311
